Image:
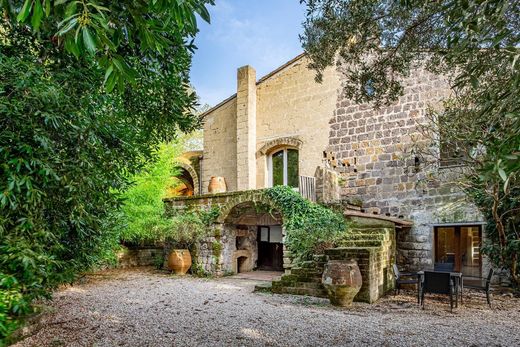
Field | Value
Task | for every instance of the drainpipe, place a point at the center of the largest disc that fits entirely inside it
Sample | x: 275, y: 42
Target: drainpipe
x: 200, y: 174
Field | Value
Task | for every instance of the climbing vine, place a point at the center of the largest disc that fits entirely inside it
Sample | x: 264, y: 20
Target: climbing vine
x: 309, y: 227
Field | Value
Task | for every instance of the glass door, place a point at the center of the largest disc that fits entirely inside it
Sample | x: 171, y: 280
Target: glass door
x: 457, y: 248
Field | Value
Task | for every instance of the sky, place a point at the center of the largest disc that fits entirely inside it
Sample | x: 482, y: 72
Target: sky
x: 260, y: 33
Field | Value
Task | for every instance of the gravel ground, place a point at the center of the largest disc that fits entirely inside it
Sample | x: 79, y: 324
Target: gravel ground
x: 147, y: 308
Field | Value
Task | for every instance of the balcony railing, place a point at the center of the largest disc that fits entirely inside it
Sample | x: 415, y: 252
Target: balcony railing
x: 307, y: 187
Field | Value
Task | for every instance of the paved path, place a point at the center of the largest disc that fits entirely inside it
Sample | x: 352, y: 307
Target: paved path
x: 144, y: 308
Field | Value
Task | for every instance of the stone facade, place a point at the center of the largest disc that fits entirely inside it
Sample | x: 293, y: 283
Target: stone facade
x: 372, y: 152
x: 355, y: 153
x: 220, y: 146
x: 286, y: 107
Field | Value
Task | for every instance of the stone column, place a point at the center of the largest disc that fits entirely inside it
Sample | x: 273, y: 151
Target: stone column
x: 246, y: 128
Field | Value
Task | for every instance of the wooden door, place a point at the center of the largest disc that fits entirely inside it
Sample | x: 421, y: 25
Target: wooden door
x: 270, y: 248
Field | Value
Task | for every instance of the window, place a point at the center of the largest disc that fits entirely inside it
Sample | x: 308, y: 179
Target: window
x: 283, y: 168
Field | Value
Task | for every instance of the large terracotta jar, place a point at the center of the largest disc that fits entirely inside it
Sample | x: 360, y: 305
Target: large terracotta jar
x: 179, y: 261
x: 217, y: 185
x: 342, y: 280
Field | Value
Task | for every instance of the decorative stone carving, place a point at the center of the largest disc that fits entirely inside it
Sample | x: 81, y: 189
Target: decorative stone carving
x: 281, y: 141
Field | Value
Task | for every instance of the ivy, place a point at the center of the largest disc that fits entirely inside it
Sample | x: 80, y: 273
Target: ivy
x: 309, y: 227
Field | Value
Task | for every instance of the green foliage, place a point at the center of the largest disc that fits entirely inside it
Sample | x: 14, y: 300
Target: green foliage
x: 217, y: 248
x: 143, y: 216
x: 208, y: 217
x: 502, y: 211
x: 187, y: 229
x: 13, y: 305
x: 67, y: 149
x: 111, y: 32
x: 158, y: 261
x: 309, y: 227
x: 198, y: 270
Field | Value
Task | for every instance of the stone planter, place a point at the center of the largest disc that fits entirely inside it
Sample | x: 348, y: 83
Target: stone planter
x: 342, y: 280
x: 179, y: 261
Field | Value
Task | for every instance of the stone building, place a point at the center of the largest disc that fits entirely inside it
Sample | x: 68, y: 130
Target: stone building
x: 285, y: 128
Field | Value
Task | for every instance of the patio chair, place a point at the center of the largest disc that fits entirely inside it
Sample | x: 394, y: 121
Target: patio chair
x: 481, y: 284
x: 404, y: 278
x: 438, y: 283
x: 446, y: 267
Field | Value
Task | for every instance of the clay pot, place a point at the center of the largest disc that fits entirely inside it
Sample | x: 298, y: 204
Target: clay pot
x: 342, y: 280
x: 179, y: 261
x: 217, y: 185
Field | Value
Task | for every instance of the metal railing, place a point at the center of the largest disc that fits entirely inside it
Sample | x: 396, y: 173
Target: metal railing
x: 307, y: 187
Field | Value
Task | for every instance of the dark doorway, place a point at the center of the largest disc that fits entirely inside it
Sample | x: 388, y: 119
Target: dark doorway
x: 458, y: 247
x: 270, y: 248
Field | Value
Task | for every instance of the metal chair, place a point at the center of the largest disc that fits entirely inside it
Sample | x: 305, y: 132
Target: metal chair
x: 482, y: 284
x: 446, y: 267
x: 404, y: 278
x: 438, y: 283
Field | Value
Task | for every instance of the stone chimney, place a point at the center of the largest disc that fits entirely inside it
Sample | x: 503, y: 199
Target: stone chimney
x: 246, y: 128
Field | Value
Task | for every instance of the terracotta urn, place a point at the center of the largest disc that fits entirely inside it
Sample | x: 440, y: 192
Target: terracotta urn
x: 342, y: 280
x: 217, y: 185
x: 179, y: 261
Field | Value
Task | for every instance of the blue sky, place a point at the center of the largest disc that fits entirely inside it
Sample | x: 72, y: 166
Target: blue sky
x: 260, y: 33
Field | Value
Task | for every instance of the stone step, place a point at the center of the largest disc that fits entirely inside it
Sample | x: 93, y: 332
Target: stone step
x: 297, y: 284
x: 360, y: 236
x: 310, y: 264
x: 361, y: 243
x: 322, y: 293
x: 289, y: 279
x: 367, y: 230
x: 355, y: 252
x: 322, y: 258
x: 306, y: 272
x: 264, y: 287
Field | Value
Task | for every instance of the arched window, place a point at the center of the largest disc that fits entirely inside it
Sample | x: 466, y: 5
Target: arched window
x: 282, y: 166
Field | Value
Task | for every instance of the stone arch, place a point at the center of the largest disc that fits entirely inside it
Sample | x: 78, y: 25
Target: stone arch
x: 191, y: 171
x: 241, y: 198
x: 288, y: 141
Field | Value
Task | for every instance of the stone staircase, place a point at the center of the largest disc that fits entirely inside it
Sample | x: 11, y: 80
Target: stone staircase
x: 304, y: 279
x: 371, y: 242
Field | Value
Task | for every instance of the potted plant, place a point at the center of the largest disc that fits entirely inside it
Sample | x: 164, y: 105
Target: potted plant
x: 186, y: 231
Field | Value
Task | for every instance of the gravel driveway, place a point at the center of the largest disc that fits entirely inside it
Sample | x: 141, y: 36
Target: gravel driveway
x: 147, y: 308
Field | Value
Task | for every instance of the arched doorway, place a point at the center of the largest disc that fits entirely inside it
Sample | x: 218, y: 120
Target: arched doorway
x: 183, y: 184
x: 186, y: 181
x: 253, y: 237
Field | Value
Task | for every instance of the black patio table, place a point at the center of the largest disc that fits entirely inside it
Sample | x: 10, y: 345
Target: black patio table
x: 457, y: 276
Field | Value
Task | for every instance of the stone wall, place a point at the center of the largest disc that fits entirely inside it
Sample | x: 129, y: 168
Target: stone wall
x: 218, y: 253
x: 141, y: 256
x: 291, y: 104
x: 220, y: 146
x: 372, y: 152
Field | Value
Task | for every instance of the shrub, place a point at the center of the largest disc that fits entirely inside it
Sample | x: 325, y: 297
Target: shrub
x: 142, y: 218
x: 309, y: 227
x: 13, y: 305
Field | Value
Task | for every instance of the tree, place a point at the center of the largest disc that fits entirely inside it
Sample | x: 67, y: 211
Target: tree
x: 67, y: 147
x: 475, y: 45
x: 110, y: 31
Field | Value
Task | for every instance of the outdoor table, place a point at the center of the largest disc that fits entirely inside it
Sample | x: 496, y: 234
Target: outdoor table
x: 456, y: 276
